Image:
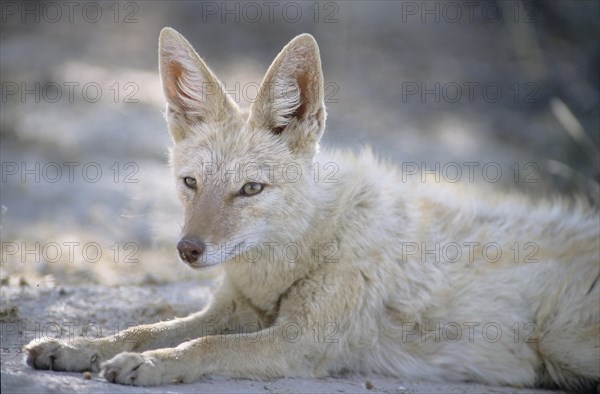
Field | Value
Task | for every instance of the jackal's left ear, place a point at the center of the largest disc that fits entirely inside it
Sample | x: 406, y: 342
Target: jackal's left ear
x: 194, y: 94
x: 290, y: 100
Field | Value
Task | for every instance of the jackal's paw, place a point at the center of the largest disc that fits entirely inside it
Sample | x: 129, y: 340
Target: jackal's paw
x: 60, y: 356
x: 136, y: 369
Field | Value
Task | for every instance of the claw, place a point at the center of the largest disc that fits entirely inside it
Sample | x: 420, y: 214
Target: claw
x: 120, y: 371
x: 32, y: 354
x: 95, y: 362
x: 133, y: 374
x: 110, y: 375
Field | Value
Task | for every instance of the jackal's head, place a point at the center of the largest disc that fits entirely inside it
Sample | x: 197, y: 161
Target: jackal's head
x: 243, y: 176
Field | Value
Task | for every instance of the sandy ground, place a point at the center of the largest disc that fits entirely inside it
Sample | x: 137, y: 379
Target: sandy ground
x: 88, y: 248
x: 29, y: 313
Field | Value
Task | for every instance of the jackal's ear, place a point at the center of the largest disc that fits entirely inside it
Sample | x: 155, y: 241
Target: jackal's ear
x: 290, y: 99
x: 194, y: 94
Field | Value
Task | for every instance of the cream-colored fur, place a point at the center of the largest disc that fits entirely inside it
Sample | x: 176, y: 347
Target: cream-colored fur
x: 385, y: 276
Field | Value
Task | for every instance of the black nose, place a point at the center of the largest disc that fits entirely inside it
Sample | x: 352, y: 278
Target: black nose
x: 190, y: 249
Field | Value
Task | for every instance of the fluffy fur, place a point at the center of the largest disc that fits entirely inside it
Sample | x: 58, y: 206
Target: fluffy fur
x: 391, y: 277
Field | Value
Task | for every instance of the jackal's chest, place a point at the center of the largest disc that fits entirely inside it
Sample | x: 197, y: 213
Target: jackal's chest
x: 262, y: 287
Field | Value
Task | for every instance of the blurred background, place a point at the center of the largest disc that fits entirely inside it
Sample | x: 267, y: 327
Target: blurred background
x: 87, y: 195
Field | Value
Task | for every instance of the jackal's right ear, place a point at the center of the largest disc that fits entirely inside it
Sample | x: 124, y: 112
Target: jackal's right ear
x: 194, y: 94
x: 290, y: 101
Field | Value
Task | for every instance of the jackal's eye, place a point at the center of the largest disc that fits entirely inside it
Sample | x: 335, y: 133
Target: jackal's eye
x: 190, y: 182
x: 251, y: 188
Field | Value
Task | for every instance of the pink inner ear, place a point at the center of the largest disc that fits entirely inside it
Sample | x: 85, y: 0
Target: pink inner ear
x: 175, y: 73
x: 304, y: 82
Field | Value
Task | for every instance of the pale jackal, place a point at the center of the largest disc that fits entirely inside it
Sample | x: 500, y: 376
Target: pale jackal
x: 345, y: 274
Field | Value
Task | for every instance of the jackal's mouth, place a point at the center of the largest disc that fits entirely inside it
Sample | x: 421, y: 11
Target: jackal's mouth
x: 215, y: 254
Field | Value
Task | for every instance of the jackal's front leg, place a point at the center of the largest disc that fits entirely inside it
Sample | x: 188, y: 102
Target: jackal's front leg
x: 245, y: 355
x: 292, y: 347
x: 87, y: 355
